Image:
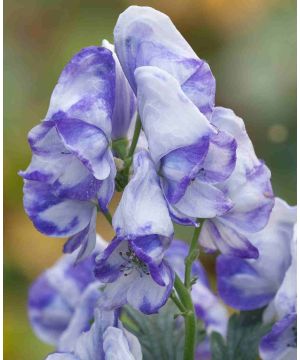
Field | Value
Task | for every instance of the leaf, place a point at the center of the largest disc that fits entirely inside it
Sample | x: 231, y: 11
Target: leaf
x: 244, y: 333
x: 161, y: 336
x: 218, y: 347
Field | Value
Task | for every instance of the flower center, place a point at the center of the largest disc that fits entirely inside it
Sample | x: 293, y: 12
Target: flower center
x: 132, y: 262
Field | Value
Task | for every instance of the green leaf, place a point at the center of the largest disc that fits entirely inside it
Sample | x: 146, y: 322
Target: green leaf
x: 244, y: 333
x: 218, y: 347
x: 161, y: 336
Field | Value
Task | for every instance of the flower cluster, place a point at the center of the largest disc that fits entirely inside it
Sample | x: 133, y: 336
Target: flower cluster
x: 186, y: 161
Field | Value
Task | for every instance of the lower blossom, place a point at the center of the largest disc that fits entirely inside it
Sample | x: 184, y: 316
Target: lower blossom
x: 62, y: 300
x: 106, y: 340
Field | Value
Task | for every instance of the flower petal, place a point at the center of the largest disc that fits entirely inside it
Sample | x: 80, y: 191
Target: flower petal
x: 54, y: 216
x: 116, y: 346
x: 281, y: 341
x: 229, y: 241
x: 143, y: 209
x: 81, y: 318
x: 146, y: 295
x: 86, y: 88
x: 125, y: 102
x: 220, y: 160
x: 179, y: 167
x: 54, y: 296
x: 250, y: 284
x: 167, y: 113
x: 202, y: 200
x: 144, y: 36
x: 87, y: 142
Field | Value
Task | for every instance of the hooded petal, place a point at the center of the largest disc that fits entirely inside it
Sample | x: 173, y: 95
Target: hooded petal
x: 250, y: 284
x: 54, y: 216
x: 281, y: 341
x: 170, y: 120
x: 86, y: 88
x: 144, y: 36
x: 142, y: 209
x: 125, y: 102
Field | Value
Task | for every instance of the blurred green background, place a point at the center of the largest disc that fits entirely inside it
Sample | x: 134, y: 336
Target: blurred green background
x: 251, y: 47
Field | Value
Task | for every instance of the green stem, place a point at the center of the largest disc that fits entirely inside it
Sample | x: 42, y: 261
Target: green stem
x: 189, y: 319
x: 192, y: 255
x: 137, y: 130
x: 107, y: 216
x: 177, y: 302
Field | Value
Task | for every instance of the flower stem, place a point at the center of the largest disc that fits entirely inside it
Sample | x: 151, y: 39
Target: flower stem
x: 177, y: 302
x: 192, y: 255
x: 107, y: 216
x: 137, y: 130
x: 189, y: 319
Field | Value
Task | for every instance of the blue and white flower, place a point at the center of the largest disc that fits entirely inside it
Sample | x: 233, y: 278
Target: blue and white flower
x: 62, y: 300
x: 250, y: 191
x: 189, y: 153
x: 269, y: 280
x: 250, y: 284
x: 106, y: 340
x: 72, y: 169
x: 133, y: 264
x: 281, y: 341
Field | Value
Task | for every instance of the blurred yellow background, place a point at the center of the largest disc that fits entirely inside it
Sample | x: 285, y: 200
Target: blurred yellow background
x: 251, y: 48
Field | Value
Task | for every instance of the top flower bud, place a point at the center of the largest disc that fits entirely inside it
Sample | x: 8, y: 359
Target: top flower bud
x: 146, y: 37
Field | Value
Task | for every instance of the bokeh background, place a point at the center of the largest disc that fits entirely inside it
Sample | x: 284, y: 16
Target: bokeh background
x: 251, y: 48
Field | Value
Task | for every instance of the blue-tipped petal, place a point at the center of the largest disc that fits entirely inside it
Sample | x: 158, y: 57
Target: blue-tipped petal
x: 144, y: 36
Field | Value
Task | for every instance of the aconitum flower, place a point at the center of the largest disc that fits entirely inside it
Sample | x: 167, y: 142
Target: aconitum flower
x: 207, y: 306
x: 190, y: 155
x: 144, y: 36
x: 132, y: 265
x: 72, y: 169
x: 249, y: 188
x: 251, y: 284
x: 62, y: 300
x: 106, y: 340
x: 281, y: 341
